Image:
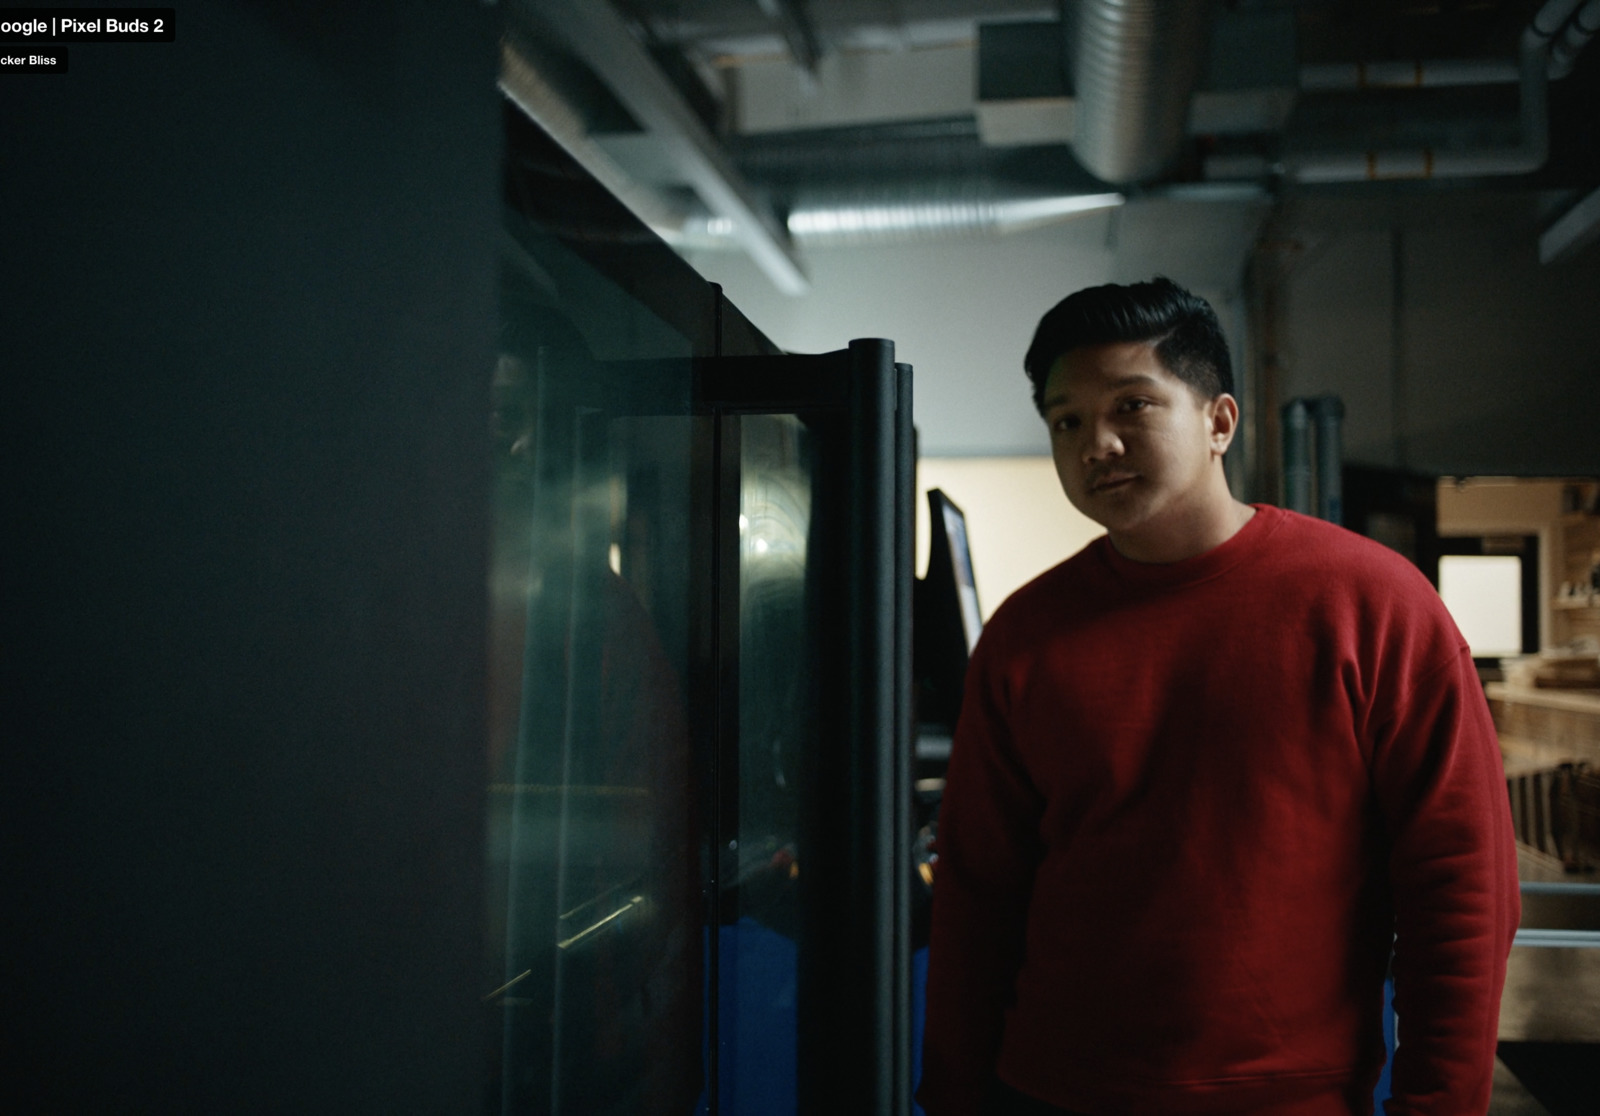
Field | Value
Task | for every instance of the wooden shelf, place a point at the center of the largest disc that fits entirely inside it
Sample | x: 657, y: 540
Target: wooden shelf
x: 1574, y: 605
x: 1576, y: 701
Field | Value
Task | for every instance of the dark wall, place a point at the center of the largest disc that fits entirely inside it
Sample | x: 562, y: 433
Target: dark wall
x: 248, y: 318
x: 1456, y: 351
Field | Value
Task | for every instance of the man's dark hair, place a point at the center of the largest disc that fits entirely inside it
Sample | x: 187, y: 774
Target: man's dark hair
x: 1184, y: 329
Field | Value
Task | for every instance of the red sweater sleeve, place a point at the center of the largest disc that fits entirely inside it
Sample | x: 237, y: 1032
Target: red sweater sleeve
x: 1453, y: 869
x: 988, y: 850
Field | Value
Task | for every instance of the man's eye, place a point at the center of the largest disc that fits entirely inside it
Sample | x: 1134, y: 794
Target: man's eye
x: 1066, y: 422
x: 1135, y: 404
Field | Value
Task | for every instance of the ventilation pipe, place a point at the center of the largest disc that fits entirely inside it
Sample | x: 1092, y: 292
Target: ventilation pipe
x: 1548, y: 48
x: 913, y: 215
x: 1135, y: 65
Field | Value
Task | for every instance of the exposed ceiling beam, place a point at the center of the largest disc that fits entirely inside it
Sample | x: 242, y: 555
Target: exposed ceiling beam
x: 596, y: 33
x: 526, y: 88
x: 799, y: 34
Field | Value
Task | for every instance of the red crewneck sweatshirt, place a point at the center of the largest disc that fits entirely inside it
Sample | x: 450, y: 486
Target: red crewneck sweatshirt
x: 1190, y: 808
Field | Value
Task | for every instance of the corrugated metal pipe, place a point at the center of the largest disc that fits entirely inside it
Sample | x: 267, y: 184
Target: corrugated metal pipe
x: 892, y: 217
x: 1135, y: 65
x: 1547, y: 50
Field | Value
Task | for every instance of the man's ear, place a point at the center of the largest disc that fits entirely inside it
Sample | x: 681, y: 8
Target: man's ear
x: 1224, y: 420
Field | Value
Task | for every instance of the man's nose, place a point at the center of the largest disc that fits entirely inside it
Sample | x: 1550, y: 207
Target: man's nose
x: 1101, y: 442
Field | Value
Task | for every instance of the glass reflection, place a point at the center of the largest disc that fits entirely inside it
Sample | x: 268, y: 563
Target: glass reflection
x: 594, y: 854
x: 760, y: 908
x: 774, y: 520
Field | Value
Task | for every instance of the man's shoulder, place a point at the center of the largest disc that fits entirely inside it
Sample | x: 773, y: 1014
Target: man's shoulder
x: 1303, y: 541
x: 1337, y: 572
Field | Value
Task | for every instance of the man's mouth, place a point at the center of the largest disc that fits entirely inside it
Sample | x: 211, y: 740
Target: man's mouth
x: 1112, y: 481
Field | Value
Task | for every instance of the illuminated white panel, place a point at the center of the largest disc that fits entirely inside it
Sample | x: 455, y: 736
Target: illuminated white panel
x: 1484, y: 595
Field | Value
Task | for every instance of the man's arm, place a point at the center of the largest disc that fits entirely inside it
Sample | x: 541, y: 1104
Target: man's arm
x: 1453, y: 870
x: 988, y: 848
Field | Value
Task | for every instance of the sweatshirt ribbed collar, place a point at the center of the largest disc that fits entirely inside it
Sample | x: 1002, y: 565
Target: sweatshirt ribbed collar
x: 1202, y: 567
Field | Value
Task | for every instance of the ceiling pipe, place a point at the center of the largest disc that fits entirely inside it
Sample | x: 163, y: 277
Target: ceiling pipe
x: 1325, y: 77
x: 1135, y: 66
x: 1445, y: 73
x: 912, y: 215
x: 915, y: 219
x: 1583, y: 27
x: 1526, y: 156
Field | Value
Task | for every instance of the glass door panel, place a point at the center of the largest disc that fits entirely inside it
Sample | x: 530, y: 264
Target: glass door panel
x: 765, y: 764
x: 595, y: 852
x: 698, y: 669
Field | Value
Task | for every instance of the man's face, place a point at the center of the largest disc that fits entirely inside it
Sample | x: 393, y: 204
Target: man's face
x: 1133, y: 444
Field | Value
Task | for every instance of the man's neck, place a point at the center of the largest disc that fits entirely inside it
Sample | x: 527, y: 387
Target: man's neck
x: 1191, y: 533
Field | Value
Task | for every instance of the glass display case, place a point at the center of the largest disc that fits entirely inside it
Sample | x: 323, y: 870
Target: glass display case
x: 699, y: 686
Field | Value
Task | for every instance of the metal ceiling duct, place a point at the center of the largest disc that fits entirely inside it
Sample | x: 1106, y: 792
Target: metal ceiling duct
x: 1135, y: 66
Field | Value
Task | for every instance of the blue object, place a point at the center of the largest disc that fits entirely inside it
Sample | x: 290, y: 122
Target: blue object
x: 1381, y: 1093
x: 755, y: 1022
x: 919, y: 1007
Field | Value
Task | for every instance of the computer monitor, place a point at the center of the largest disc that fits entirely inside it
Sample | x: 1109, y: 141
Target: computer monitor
x: 945, y: 620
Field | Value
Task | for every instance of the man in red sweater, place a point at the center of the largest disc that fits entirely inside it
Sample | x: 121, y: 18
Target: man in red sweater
x: 1209, y: 772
